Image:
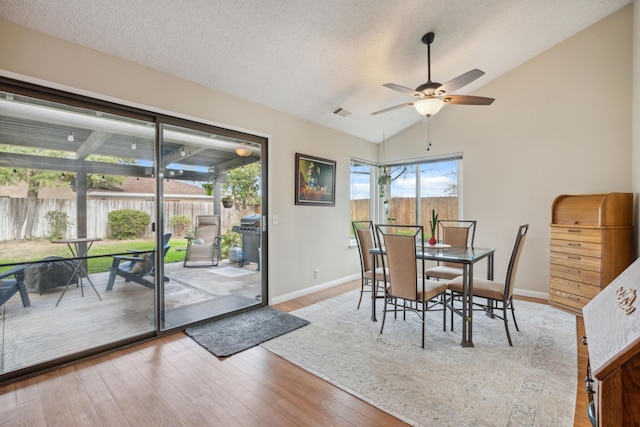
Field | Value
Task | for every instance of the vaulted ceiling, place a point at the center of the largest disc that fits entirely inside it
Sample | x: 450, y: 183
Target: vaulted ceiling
x: 308, y: 57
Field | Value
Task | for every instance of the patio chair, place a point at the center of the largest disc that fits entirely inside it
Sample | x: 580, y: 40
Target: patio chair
x: 204, y: 245
x: 9, y: 287
x: 137, y: 267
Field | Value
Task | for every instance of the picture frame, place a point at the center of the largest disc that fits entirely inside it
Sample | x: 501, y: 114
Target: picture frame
x: 315, y: 181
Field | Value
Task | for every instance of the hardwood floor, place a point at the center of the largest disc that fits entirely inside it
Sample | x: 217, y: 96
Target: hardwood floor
x: 173, y: 381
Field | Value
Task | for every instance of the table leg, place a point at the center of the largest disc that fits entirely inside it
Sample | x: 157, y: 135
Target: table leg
x: 75, y: 271
x: 467, y: 305
x: 81, y: 272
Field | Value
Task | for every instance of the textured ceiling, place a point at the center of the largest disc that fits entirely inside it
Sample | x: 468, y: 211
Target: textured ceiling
x: 308, y: 57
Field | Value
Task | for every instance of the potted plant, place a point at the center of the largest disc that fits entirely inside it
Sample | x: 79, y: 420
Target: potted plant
x: 208, y: 188
x: 433, y: 224
x: 227, y: 201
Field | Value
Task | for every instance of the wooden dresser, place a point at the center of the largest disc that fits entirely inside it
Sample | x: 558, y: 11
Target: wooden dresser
x: 591, y: 244
x: 612, y: 328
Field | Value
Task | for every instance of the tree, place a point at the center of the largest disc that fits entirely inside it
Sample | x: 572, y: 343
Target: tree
x: 37, y: 179
x: 243, y: 185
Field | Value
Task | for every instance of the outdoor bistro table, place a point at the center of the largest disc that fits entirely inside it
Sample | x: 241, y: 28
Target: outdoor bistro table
x: 462, y: 255
x: 74, y: 247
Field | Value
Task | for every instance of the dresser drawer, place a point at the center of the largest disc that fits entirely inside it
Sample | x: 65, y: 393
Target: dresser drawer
x: 576, y: 274
x: 579, y: 262
x: 576, y: 247
x: 572, y: 287
x: 567, y: 299
x: 577, y: 234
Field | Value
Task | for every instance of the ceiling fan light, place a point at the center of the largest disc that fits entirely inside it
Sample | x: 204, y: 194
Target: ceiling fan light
x: 428, y: 107
x: 243, y: 152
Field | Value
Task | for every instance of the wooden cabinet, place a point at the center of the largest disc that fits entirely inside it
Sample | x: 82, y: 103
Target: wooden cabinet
x: 612, y: 328
x: 591, y: 244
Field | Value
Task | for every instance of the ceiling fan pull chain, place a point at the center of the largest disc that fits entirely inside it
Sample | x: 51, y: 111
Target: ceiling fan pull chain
x: 429, y: 133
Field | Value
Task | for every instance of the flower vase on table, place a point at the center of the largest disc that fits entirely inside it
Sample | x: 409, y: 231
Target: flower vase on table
x: 433, y: 224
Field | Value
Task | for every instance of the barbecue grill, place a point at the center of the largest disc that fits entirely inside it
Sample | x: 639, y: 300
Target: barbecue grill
x: 250, y: 229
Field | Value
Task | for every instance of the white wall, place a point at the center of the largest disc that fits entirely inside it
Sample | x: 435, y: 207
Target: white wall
x: 306, y: 237
x: 561, y: 124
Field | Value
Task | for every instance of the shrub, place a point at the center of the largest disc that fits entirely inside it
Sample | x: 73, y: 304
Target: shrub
x: 227, y: 240
x: 128, y: 223
x: 181, y: 225
x: 58, y: 224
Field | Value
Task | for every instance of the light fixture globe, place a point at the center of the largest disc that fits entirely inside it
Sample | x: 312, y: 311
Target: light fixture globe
x: 243, y: 152
x: 429, y: 106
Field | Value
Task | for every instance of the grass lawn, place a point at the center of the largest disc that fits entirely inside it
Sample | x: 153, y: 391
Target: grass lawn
x: 32, y: 250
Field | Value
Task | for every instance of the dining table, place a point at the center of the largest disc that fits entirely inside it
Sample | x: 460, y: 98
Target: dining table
x: 467, y: 257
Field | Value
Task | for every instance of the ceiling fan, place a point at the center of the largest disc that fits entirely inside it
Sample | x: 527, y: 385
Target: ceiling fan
x: 431, y: 96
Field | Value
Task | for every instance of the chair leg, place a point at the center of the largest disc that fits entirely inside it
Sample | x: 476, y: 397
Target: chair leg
x: 423, y: 320
x: 361, y: 291
x: 112, y: 273
x: 506, y: 327
x: 506, y: 324
x: 513, y: 314
x: 384, y: 313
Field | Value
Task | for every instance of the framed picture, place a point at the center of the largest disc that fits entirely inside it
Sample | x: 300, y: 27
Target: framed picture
x: 315, y: 181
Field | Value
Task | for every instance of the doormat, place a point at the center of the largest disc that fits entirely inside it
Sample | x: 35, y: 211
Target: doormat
x: 237, y: 333
x: 231, y: 271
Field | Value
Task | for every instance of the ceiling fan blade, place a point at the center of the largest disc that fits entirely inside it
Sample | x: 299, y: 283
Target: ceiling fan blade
x: 393, y: 108
x: 467, y: 100
x: 402, y: 89
x: 460, y: 81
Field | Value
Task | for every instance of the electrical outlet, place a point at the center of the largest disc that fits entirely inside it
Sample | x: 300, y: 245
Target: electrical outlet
x: 316, y: 273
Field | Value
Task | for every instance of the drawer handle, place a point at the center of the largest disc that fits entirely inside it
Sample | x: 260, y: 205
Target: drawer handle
x: 573, y: 271
x: 575, y: 245
x: 574, y: 257
x: 572, y: 230
x: 573, y: 297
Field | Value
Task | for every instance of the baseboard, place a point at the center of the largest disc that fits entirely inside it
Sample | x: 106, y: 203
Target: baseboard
x: 531, y: 294
x: 312, y: 289
x: 306, y: 291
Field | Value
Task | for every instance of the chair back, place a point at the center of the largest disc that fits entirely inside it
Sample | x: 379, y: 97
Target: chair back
x: 207, y: 228
x: 400, y: 246
x: 165, y: 244
x: 513, y: 262
x: 456, y: 233
x: 365, y: 239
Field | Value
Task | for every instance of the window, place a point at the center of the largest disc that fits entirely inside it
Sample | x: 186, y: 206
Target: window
x: 416, y: 188
x: 361, y: 189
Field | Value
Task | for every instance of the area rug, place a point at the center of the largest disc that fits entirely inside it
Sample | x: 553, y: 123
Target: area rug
x: 532, y: 383
x: 236, y: 333
x: 231, y: 271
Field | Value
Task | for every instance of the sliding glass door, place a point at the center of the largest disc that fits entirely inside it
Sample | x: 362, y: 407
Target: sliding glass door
x: 118, y: 225
x: 212, y: 211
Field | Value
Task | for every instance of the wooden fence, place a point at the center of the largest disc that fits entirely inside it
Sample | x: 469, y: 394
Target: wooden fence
x: 97, y: 215
x: 403, y: 210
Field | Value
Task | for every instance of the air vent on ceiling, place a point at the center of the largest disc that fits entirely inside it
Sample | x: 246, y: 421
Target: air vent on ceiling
x: 341, y: 112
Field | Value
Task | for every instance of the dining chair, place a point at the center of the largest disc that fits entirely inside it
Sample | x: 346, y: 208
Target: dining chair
x: 499, y: 295
x: 365, y: 238
x: 454, y: 233
x: 407, y: 288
